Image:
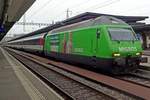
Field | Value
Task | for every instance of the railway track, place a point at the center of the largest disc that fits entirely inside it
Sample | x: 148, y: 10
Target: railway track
x: 121, y: 89
x: 146, y: 68
x: 145, y: 74
x: 141, y: 76
x: 69, y: 88
x: 136, y: 79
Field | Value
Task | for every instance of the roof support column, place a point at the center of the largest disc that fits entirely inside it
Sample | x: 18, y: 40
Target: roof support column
x: 144, y: 40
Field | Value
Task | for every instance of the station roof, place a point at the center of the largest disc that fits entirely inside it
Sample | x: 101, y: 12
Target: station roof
x: 85, y: 16
x: 142, y: 28
x: 10, y: 12
x: 89, y: 15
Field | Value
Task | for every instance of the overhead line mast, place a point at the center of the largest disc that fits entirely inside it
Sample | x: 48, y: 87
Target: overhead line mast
x: 67, y: 13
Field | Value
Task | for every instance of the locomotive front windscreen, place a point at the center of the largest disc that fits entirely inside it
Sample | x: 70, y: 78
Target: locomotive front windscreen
x: 121, y: 34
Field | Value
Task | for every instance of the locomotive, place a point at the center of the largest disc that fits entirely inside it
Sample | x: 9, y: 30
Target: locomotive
x: 104, y: 43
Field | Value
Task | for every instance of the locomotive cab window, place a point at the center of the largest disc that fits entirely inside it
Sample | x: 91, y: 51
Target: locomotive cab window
x: 121, y: 34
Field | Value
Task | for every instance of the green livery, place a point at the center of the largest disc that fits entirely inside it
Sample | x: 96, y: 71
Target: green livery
x: 100, y: 42
x: 105, y: 43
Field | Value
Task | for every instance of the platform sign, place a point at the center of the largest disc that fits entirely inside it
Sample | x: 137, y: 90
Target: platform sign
x: 2, y: 30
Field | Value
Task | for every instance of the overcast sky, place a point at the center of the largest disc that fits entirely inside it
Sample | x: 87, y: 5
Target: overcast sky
x: 46, y: 11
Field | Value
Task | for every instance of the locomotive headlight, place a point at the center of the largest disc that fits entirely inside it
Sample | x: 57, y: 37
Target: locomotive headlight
x: 116, y: 54
x: 138, y: 53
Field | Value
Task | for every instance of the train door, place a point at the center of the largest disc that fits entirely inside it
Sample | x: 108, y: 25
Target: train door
x: 46, y: 44
x: 97, y: 44
x: 102, y: 43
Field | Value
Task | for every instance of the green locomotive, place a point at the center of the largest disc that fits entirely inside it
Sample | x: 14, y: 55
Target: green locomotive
x: 106, y: 43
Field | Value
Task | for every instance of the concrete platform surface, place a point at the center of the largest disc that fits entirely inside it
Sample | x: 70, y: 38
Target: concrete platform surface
x: 18, y: 83
x: 146, y: 52
x: 148, y: 59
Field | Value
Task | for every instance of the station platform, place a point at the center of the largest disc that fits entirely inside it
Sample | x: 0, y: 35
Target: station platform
x: 146, y: 53
x: 18, y: 83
